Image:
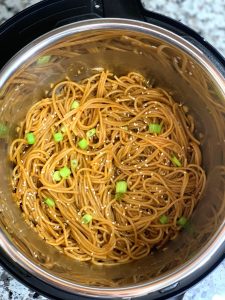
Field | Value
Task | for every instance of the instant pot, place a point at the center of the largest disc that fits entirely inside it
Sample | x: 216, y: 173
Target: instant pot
x: 130, y: 38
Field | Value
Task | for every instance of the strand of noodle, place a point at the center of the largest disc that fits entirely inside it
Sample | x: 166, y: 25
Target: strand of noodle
x: 120, y: 230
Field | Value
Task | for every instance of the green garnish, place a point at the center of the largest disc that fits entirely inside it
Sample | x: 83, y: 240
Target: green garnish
x: 163, y: 219
x: 121, y: 187
x: 30, y: 137
x: 90, y: 133
x: 58, y: 137
x: 3, y: 130
x: 175, y: 161
x: 86, y: 219
x: 75, y: 104
x: 74, y: 163
x: 56, y: 176
x: 83, y: 144
x: 125, y: 127
x: 49, y: 202
x: 190, y: 229
x: 43, y: 59
x: 182, y: 221
x: 65, y: 172
x: 154, y: 128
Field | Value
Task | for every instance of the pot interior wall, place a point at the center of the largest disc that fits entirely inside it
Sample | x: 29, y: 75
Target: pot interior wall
x: 164, y: 66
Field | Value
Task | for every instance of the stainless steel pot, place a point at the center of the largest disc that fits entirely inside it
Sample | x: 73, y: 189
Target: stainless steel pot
x: 174, y: 64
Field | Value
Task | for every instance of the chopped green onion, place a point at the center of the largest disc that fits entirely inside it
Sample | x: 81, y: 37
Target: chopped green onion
x: 163, y: 219
x: 75, y: 105
x: 176, y: 161
x: 63, y: 128
x: 121, y: 187
x: 43, y: 59
x: 3, y: 130
x: 119, y: 196
x: 30, y: 137
x: 154, y: 128
x: 56, y: 176
x: 65, y: 172
x: 74, y: 163
x: 182, y: 221
x: 189, y: 228
x: 49, y: 202
x: 83, y: 144
x: 58, y: 137
x: 86, y: 219
x: 90, y: 133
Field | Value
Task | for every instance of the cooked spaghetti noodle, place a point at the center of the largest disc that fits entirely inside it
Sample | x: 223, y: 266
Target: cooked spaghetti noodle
x: 107, y: 169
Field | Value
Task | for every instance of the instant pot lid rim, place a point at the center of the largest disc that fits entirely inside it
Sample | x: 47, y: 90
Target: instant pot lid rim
x: 40, y: 43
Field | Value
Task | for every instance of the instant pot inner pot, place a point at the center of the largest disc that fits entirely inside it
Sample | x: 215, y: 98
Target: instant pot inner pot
x: 164, y: 64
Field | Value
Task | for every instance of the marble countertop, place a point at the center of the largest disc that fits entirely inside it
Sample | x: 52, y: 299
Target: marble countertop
x: 207, y: 18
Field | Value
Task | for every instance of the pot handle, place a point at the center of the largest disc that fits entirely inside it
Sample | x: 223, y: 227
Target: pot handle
x: 131, y: 9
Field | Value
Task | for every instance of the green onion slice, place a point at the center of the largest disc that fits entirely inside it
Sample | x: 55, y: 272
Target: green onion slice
x: 56, y: 176
x: 3, y: 130
x: 163, y: 219
x: 90, y: 133
x: 182, y: 221
x: 58, y: 137
x: 65, y: 172
x: 75, y: 104
x: 189, y: 228
x: 176, y: 161
x: 86, y: 219
x: 43, y: 60
x: 83, y: 144
x: 154, y: 128
x: 49, y: 202
x: 30, y: 137
x: 121, y: 187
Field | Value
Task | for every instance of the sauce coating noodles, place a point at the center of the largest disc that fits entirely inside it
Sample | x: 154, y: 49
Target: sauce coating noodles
x: 107, y: 169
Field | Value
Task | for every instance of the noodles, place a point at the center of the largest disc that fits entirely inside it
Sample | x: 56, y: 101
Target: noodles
x: 111, y: 170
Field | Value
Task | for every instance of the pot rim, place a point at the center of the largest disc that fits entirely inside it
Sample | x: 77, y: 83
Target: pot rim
x: 216, y: 243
